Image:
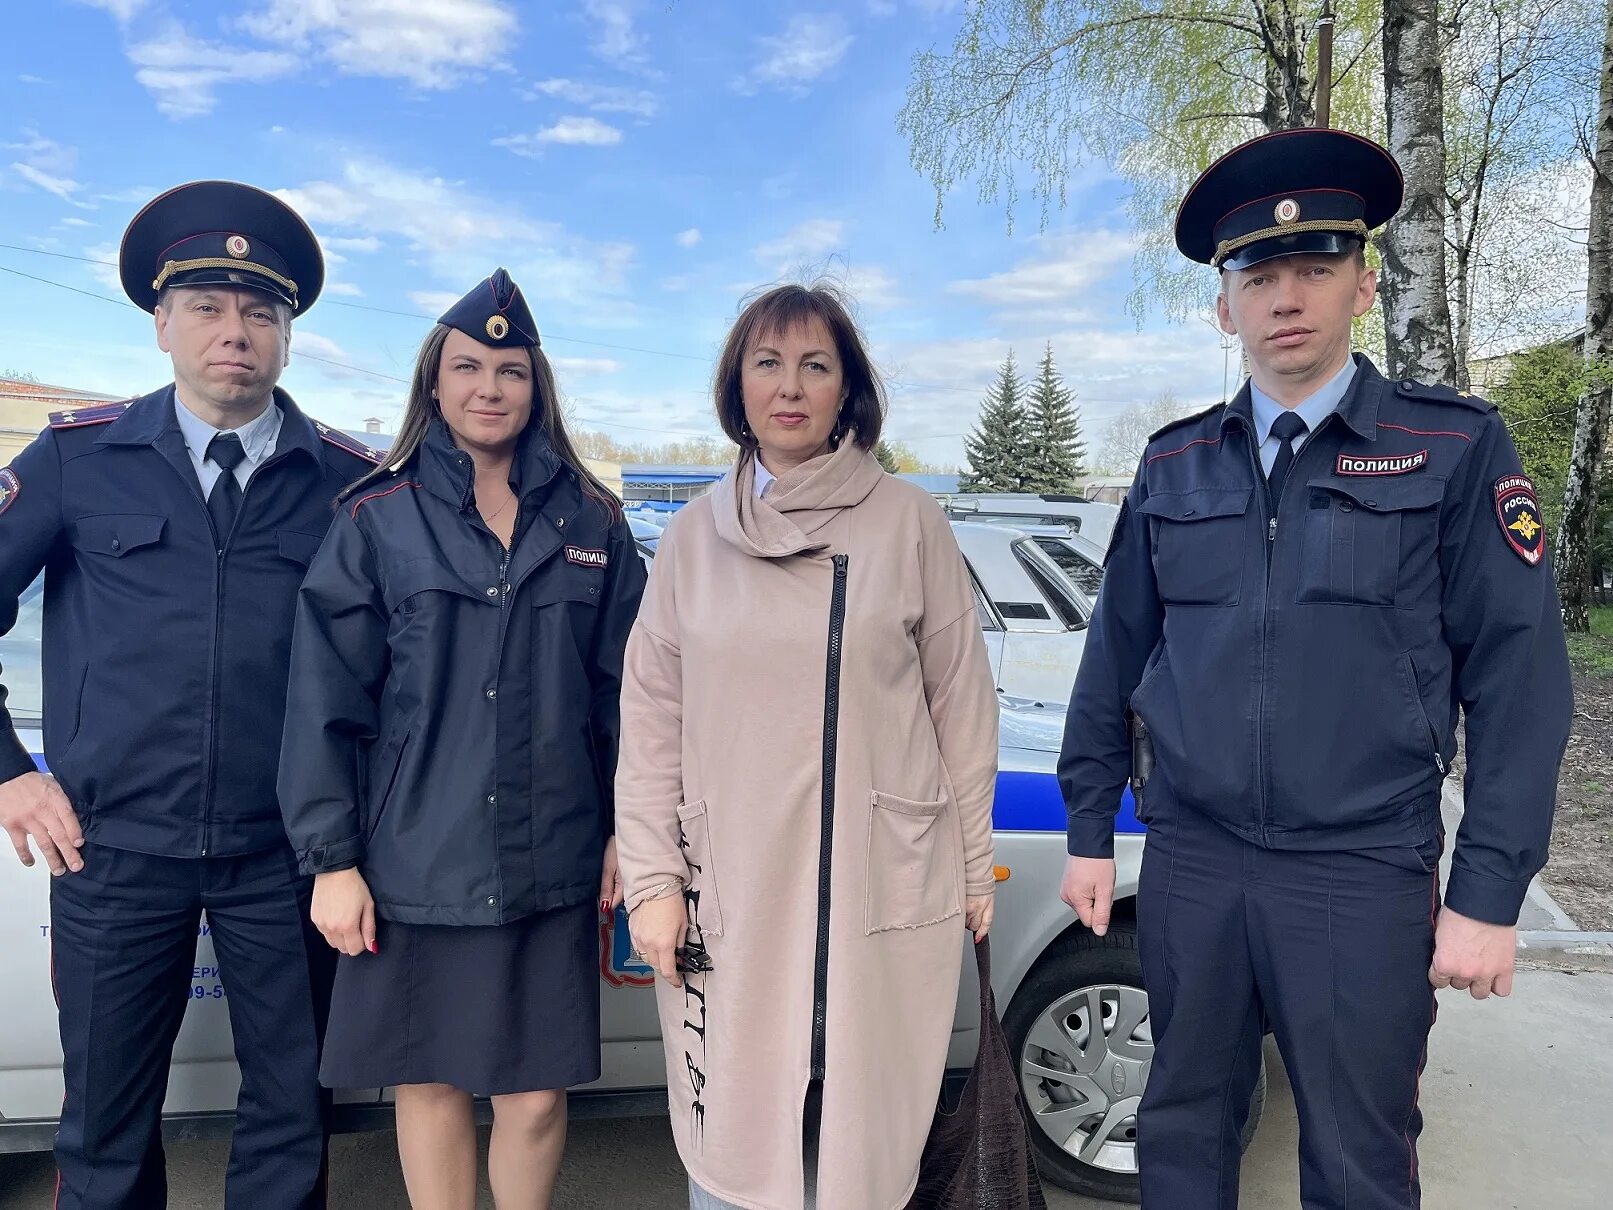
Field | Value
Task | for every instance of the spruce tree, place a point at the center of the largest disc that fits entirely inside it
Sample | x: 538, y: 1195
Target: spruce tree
x: 886, y: 457
x: 1058, y: 455
x: 1000, y: 448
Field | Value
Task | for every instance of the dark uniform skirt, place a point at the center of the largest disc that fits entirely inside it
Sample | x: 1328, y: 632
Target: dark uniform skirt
x: 491, y: 1010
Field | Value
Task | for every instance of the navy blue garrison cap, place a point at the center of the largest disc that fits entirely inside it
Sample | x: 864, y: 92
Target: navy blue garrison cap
x: 495, y: 313
x: 221, y: 233
x: 1303, y: 190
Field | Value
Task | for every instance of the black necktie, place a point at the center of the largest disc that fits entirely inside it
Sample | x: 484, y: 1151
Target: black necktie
x: 224, y: 501
x: 1287, y: 428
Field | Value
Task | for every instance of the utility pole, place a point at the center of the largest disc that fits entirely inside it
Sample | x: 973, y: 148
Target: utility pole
x: 1324, y: 65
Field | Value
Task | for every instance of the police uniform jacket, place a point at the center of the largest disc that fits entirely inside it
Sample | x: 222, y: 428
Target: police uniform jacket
x: 165, y: 647
x: 1301, y: 675
x: 452, y: 722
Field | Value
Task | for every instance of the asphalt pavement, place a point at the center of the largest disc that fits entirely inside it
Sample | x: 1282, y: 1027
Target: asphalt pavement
x: 1518, y: 1094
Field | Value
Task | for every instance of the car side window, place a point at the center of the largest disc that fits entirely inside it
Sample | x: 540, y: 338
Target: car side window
x: 983, y: 611
x: 21, y: 670
x: 1086, y: 576
x: 1066, y: 604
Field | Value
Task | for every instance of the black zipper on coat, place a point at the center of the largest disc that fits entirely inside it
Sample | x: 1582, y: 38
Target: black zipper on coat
x: 831, y: 729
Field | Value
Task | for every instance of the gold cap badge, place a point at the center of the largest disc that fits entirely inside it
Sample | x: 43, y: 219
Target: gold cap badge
x: 237, y: 246
x: 1287, y: 211
x: 498, y: 327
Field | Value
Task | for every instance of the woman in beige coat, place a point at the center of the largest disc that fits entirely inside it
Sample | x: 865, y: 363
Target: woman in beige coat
x: 803, y: 796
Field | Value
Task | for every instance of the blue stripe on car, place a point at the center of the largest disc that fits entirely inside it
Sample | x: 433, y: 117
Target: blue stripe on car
x: 1031, y: 802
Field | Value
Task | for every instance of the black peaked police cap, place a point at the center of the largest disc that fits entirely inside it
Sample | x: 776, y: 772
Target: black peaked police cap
x: 220, y: 233
x: 495, y: 313
x: 1304, y: 190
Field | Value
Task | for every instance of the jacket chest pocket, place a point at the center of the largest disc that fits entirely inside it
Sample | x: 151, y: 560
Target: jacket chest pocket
x: 1358, y: 536
x: 116, y: 535
x: 1200, y: 538
x: 570, y: 598
x: 912, y: 866
x: 415, y: 586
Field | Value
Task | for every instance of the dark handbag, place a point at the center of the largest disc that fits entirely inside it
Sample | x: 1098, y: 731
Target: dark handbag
x: 978, y: 1156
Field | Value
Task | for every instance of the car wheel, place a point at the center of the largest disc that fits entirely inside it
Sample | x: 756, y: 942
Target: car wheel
x: 1080, y: 1035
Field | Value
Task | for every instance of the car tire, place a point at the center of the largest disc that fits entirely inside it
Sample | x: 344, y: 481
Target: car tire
x: 1078, y: 972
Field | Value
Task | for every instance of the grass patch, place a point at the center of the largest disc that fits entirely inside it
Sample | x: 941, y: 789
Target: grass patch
x: 1592, y: 654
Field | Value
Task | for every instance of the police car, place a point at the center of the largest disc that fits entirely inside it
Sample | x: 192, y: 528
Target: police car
x: 1073, y: 1005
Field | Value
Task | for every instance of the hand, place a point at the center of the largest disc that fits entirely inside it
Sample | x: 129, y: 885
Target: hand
x: 610, y: 880
x: 657, y: 927
x: 1472, y: 956
x: 344, y: 912
x: 34, y: 805
x: 978, y: 911
x: 1089, y: 888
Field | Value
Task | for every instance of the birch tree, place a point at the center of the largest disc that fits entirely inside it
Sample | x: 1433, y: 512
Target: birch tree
x: 1575, y: 538
x: 1157, y: 89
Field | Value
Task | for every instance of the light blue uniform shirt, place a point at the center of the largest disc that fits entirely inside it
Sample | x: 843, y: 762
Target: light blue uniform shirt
x: 1312, y: 411
x: 258, y: 437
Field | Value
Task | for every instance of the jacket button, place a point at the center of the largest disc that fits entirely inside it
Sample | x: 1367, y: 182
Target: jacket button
x: 492, y: 800
x: 1371, y: 503
x: 492, y: 902
x: 116, y: 544
x: 1189, y: 512
x: 1346, y: 507
x: 492, y: 592
x: 560, y: 523
x: 491, y: 694
x: 594, y: 591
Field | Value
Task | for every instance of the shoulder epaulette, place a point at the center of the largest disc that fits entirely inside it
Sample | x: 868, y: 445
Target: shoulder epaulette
x: 100, y: 413
x: 342, y: 441
x: 1184, y: 421
x: 1440, y: 393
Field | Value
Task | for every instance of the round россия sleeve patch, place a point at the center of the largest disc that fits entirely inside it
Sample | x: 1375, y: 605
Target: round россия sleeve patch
x: 10, y: 488
x: 1518, y: 510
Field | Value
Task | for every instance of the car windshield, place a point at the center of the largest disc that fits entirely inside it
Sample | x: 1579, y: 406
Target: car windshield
x: 20, y: 667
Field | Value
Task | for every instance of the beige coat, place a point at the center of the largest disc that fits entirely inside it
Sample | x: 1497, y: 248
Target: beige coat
x: 720, y: 782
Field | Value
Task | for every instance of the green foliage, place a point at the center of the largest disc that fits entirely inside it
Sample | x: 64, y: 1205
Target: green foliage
x: 1157, y: 89
x: 1001, y: 447
x: 1058, y: 454
x: 1592, y: 653
x: 886, y: 457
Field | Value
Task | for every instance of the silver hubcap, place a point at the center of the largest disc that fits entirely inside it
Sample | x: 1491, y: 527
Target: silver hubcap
x: 1083, y: 1067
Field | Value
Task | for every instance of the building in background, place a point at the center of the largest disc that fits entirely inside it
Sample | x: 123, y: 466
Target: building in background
x: 25, y: 409
x: 1487, y: 373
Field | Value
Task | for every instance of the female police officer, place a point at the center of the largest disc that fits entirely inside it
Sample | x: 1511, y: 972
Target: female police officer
x: 450, y: 749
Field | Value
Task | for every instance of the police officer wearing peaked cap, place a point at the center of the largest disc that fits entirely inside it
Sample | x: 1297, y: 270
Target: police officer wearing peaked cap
x: 173, y: 531
x: 1304, y: 590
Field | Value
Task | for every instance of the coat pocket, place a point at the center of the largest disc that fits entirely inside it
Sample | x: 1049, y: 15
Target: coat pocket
x: 705, y: 908
x: 1199, y: 542
x: 912, y: 867
x: 1358, y: 536
x: 385, y: 780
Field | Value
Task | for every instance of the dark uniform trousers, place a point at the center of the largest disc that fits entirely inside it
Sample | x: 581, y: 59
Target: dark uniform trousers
x: 1331, y: 950
x: 124, y: 935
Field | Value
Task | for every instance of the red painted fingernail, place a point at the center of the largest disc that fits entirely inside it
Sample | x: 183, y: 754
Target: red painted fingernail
x: 373, y: 948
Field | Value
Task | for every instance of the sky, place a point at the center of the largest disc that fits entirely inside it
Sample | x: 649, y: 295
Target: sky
x: 639, y: 166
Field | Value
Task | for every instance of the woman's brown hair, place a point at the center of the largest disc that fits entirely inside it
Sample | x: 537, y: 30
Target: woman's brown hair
x: 782, y: 309
x: 421, y: 409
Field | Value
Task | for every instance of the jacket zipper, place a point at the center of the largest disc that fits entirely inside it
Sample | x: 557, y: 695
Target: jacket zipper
x: 831, y: 727
x: 1428, y: 724
x: 209, y: 721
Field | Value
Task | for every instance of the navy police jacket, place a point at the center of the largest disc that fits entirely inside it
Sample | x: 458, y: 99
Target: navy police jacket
x: 452, y: 722
x: 165, y: 650
x: 1301, y: 675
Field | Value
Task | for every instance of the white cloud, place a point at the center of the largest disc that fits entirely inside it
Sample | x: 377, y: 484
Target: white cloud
x: 601, y: 98
x: 1061, y: 277
x: 615, y: 39
x: 368, y: 243
x: 319, y: 346
x: 104, y: 266
x: 344, y: 289
x: 123, y: 10
x: 808, y: 47
x: 802, y: 244
x: 430, y: 43
x: 48, y: 165
x: 71, y: 221
x: 585, y: 366
x: 62, y: 187
x: 689, y: 238
x: 434, y: 302
x: 182, y: 72
x: 26, y: 79
x: 569, y: 132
